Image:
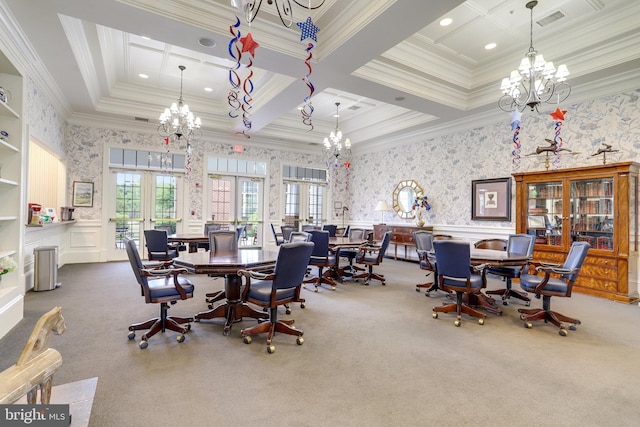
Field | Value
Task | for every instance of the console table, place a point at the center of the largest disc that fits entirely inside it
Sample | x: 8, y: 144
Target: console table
x: 400, y: 236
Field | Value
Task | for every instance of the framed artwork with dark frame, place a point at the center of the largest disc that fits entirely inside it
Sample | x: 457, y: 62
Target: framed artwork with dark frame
x: 491, y: 199
x: 82, y: 194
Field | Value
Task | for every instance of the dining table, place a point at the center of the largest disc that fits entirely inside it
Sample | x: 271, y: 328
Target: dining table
x: 227, y: 264
x: 191, y: 239
x: 337, y: 243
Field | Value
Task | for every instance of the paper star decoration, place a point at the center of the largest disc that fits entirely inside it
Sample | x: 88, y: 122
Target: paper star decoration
x: 558, y: 114
x: 249, y: 44
x: 308, y: 29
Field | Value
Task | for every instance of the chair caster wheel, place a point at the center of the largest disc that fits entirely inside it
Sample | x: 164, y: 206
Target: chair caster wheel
x: 180, y: 338
x: 528, y: 325
x: 522, y: 317
x: 434, y: 315
x: 417, y: 289
x: 299, y: 340
x: 288, y: 311
x: 333, y: 288
x: 572, y: 327
x: 247, y: 340
x: 457, y: 323
x: 210, y: 306
x: 427, y: 294
x: 143, y: 344
x: 271, y: 349
x: 315, y: 290
x: 131, y: 335
x: 480, y: 321
x: 302, y: 305
x: 505, y: 302
x: 187, y: 328
x: 528, y: 303
x: 563, y: 332
x: 265, y: 309
x: 366, y: 283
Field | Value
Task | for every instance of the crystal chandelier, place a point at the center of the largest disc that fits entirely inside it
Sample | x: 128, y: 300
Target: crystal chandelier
x: 534, y: 82
x: 333, y: 145
x: 178, y: 121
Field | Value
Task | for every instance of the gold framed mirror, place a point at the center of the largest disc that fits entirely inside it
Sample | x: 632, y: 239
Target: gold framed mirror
x: 403, y: 197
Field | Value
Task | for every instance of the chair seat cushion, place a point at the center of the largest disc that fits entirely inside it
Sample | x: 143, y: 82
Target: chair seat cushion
x: 163, y: 288
x: 528, y: 282
x: 330, y: 260
x: 261, y: 291
x: 349, y: 253
x: 460, y: 283
x: 171, y: 253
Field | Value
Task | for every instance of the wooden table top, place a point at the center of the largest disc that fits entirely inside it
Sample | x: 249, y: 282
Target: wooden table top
x: 227, y: 262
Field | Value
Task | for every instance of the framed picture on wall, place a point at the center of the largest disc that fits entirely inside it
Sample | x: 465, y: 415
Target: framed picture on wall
x: 491, y: 199
x: 83, y: 194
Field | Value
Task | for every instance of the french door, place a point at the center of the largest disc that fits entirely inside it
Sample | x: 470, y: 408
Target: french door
x: 237, y: 202
x: 141, y: 200
x: 304, y: 204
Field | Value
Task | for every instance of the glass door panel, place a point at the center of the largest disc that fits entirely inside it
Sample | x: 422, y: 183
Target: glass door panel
x: 304, y: 204
x: 591, y: 212
x: 545, y: 212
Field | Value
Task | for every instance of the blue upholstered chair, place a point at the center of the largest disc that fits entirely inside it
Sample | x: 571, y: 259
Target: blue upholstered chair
x: 221, y: 241
x: 299, y: 236
x: 158, y: 249
x: 557, y: 281
x: 331, y: 228
x: 522, y: 244
x: 424, y: 246
x: 372, y: 255
x: 286, y: 232
x: 277, y: 237
x: 455, y: 274
x: 322, y: 258
x: 351, y: 253
x: 277, y: 288
x: 162, y: 286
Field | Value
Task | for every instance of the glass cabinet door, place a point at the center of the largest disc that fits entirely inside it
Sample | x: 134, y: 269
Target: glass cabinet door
x: 591, y: 213
x: 544, y: 212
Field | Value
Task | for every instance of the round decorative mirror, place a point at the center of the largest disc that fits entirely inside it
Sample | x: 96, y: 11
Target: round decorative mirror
x: 403, y: 197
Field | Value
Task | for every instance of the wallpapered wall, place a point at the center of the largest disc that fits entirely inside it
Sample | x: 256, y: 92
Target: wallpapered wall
x: 445, y: 166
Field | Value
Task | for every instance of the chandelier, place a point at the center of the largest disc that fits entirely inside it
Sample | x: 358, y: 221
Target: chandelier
x: 285, y: 12
x: 534, y: 82
x: 178, y: 121
x: 333, y: 145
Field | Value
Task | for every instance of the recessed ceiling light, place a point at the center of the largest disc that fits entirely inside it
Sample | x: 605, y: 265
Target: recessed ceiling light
x: 490, y: 46
x: 207, y: 42
x: 143, y: 76
x: 208, y: 89
x: 146, y: 37
x: 446, y: 21
x: 399, y: 98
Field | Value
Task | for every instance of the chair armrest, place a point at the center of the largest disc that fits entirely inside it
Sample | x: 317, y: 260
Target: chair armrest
x: 256, y: 275
x: 548, y: 264
x: 478, y: 268
x: 167, y: 272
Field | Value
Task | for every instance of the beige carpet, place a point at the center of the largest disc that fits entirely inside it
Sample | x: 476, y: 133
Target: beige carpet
x: 373, y: 356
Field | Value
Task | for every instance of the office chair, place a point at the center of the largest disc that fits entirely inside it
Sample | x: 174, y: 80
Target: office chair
x: 162, y: 286
x: 455, y: 275
x: 351, y: 253
x: 157, y: 243
x: 331, y: 228
x: 547, y: 286
x: 221, y: 241
x: 169, y: 229
x: 286, y: 232
x: 495, y: 244
x: 346, y: 231
x: 299, y: 236
x: 278, y: 288
x: 372, y: 255
x: 277, y: 237
x: 208, y: 227
x: 424, y: 246
x: 522, y: 244
x: 322, y: 258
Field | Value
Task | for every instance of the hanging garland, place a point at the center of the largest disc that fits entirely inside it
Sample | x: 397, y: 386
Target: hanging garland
x: 308, y: 31
x: 515, y: 127
x: 234, y: 78
x: 558, y: 116
x: 248, y: 45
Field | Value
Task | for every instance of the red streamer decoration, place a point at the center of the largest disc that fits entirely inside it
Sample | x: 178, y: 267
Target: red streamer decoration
x: 234, y: 79
x: 307, y: 109
x: 558, y: 116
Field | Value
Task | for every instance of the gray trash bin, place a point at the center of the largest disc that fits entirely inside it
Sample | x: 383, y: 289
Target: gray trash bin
x: 45, y: 274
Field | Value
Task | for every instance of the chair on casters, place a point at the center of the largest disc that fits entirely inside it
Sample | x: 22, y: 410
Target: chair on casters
x: 221, y: 241
x: 522, y: 244
x: 455, y: 275
x: 277, y: 288
x: 299, y: 236
x: 331, y: 228
x: 162, y: 286
x: 351, y: 253
x: 424, y: 245
x: 158, y: 249
x: 547, y: 286
x: 277, y: 237
x: 370, y: 256
x: 286, y: 232
x: 208, y: 227
x: 322, y: 258
x: 495, y: 244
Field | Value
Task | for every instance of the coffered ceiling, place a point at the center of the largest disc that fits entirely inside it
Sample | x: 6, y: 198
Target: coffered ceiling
x: 395, y: 70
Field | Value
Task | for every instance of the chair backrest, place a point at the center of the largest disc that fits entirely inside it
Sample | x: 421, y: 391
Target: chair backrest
x: 223, y: 241
x: 309, y: 227
x: 286, y: 232
x: 299, y: 236
x: 453, y: 258
x: 442, y: 237
x: 278, y: 239
x: 521, y: 244
x: 331, y: 228
x: 166, y: 228
x: 423, y: 240
x: 346, y: 231
x: 210, y: 227
x: 495, y: 244
x: 156, y: 240
x: 291, y: 264
x: 136, y: 262
x: 240, y: 230
x: 356, y: 233
x: 575, y: 259
x: 385, y: 244
x: 320, y: 239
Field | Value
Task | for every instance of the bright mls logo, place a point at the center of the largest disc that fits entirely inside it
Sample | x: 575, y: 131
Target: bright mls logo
x: 35, y: 415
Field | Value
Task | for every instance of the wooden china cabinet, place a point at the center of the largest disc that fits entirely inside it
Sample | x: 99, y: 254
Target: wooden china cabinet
x: 596, y: 204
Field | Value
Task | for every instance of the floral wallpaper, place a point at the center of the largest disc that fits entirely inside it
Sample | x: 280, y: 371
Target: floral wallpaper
x: 444, y: 165
x: 44, y: 121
